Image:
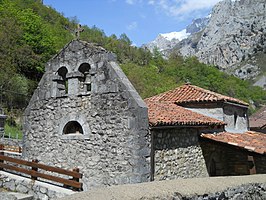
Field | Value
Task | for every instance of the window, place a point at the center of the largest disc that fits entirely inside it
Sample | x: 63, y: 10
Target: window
x: 62, y: 81
x: 73, y: 127
x: 235, y: 119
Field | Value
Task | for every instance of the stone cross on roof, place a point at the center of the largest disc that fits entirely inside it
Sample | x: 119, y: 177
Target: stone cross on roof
x: 78, y: 31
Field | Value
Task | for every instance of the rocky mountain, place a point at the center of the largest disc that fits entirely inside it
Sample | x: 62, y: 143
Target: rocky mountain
x: 198, y: 24
x: 167, y: 41
x: 233, y: 39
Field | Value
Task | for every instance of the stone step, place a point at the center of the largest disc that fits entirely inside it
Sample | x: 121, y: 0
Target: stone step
x: 15, y: 196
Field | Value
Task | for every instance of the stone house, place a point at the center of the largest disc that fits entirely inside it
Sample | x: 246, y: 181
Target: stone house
x: 85, y: 113
x: 228, y: 154
x: 257, y: 121
x: 193, y: 132
x: 175, y: 148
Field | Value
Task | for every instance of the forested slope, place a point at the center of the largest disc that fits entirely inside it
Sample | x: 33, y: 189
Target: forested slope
x: 31, y: 33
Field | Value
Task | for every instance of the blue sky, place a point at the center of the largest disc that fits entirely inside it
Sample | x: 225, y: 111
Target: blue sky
x: 141, y: 20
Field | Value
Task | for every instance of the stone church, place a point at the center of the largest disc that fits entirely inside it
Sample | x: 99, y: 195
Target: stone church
x: 85, y: 113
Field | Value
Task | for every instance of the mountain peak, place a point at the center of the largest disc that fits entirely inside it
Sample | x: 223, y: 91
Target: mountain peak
x: 176, y: 35
x: 166, y: 41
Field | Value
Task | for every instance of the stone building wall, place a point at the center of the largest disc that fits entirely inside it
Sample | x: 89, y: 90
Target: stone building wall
x: 214, y: 112
x: 177, y: 154
x: 96, y: 122
x: 224, y: 160
x: 260, y: 163
x: 235, y: 116
x: 35, y: 189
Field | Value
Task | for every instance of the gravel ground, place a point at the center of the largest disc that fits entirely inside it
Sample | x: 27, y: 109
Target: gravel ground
x: 157, y: 190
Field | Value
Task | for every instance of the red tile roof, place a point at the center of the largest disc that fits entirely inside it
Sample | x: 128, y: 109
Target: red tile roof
x: 258, y: 120
x: 169, y: 114
x: 190, y: 93
x: 250, y: 140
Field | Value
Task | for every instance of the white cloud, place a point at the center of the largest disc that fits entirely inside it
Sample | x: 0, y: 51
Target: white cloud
x: 179, y: 8
x: 151, y: 2
x: 132, y: 2
x: 132, y: 26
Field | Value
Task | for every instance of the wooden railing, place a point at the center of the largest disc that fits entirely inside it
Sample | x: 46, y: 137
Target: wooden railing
x: 32, y: 170
x: 15, y: 149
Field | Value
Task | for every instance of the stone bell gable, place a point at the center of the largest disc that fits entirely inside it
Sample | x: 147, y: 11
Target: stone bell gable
x: 85, y: 113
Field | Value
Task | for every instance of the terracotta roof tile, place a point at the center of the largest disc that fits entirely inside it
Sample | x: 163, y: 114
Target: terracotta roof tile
x: 258, y: 119
x: 250, y: 140
x: 168, y: 114
x: 190, y: 93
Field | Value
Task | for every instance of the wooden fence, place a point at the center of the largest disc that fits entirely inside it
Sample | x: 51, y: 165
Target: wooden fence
x: 32, y: 170
x: 15, y: 149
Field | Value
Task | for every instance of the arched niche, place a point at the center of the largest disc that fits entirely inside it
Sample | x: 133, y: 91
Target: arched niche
x: 62, y: 71
x: 85, y: 81
x: 72, y: 127
x: 61, y: 80
x: 84, y: 67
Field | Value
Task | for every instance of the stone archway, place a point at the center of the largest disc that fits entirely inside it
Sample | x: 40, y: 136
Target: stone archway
x: 73, y: 127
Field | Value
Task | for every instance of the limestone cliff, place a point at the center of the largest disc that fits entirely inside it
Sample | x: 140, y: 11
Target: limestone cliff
x: 234, y: 39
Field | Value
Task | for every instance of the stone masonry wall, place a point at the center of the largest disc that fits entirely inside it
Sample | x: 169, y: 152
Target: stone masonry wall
x: 225, y: 160
x: 37, y: 189
x: 216, y: 112
x: 114, y: 146
x: 260, y: 163
x: 177, y: 154
x: 234, y: 116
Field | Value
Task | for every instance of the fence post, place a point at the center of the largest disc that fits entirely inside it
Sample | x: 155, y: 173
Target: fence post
x: 34, y: 169
x: 76, y: 179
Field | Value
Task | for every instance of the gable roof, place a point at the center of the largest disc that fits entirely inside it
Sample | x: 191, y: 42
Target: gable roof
x: 170, y: 114
x: 191, y: 94
x: 80, y: 44
x: 258, y: 119
x: 250, y: 140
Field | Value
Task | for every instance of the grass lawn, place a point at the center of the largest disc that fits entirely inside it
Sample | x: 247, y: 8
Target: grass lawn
x: 14, y: 131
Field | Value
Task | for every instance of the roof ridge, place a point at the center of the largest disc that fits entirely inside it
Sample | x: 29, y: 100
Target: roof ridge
x: 192, y: 93
x: 163, y: 113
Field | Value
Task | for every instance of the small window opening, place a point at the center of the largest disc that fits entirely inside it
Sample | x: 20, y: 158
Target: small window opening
x: 73, y: 127
x: 235, y: 119
x: 86, y: 80
x: 62, y: 84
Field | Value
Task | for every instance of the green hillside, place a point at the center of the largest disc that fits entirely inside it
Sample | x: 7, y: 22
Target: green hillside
x: 31, y: 33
